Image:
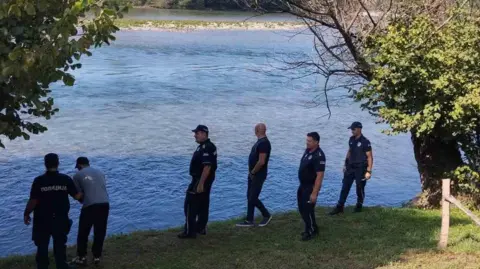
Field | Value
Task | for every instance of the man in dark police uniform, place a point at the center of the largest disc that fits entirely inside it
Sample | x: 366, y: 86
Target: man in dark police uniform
x: 50, y: 204
x: 310, y: 174
x: 202, y: 170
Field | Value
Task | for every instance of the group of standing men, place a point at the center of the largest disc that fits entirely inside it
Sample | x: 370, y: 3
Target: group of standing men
x: 357, y: 168
x: 50, y: 204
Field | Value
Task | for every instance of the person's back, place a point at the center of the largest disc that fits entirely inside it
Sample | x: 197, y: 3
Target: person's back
x: 92, y: 183
x: 52, y: 190
x: 95, y: 211
x: 50, y: 204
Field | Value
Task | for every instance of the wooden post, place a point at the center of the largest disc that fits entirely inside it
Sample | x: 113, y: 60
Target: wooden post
x: 445, y: 213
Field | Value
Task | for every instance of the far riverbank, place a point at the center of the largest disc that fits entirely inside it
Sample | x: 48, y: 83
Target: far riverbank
x: 190, y: 25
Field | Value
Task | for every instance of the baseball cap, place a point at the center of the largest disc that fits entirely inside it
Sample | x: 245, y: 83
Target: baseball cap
x: 202, y: 128
x: 82, y: 161
x: 355, y: 124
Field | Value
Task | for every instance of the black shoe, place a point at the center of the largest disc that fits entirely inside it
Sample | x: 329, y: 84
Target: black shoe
x: 202, y: 231
x: 358, y: 208
x: 337, y: 210
x: 96, y: 261
x: 265, y: 221
x: 186, y: 236
x: 307, y: 236
x: 245, y: 223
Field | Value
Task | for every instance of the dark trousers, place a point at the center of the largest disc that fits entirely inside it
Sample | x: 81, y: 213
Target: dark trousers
x: 307, y: 209
x: 253, y: 192
x: 196, y: 209
x: 353, y: 174
x: 97, y: 216
x: 57, y: 228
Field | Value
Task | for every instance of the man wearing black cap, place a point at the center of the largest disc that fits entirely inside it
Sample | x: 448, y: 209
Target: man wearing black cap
x: 50, y: 204
x: 202, y: 169
x: 95, y: 210
x: 358, y: 168
x: 310, y: 174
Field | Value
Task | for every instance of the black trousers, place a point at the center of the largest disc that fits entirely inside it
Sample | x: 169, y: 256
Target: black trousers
x: 97, y: 216
x: 306, y: 209
x: 58, y: 228
x: 196, y: 209
x: 253, y: 192
x: 353, y: 174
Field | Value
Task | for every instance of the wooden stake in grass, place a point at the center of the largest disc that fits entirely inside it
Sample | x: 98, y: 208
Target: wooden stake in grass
x: 445, y: 214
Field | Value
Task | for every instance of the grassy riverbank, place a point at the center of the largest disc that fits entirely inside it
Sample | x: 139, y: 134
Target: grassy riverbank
x: 188, y: 25
x: 387, y: 238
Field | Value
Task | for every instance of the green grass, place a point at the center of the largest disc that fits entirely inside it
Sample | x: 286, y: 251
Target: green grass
x: 387, y: 238
x: 193, y: 24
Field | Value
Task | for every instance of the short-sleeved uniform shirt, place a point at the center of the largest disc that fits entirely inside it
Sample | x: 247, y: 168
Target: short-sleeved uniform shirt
x: 310, y: 164
x: 261, y: 146
x: 205, y: 154
x: 358, y: 150
x: 51, y: 191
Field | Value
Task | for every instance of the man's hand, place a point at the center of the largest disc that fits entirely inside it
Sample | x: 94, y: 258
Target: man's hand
x: 26, y: 219
x: 200, y: 188
x: 251, y: 176
x: 313, y: 198
x: 368, y: 175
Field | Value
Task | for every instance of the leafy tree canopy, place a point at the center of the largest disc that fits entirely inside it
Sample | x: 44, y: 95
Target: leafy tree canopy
x: 40, y: 42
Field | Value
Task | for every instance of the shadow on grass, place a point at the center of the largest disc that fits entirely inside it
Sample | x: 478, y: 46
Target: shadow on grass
x: 374, y: 238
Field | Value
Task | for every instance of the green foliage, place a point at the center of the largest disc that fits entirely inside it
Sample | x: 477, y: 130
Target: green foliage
x: 40, y: 41
x: 427, y: 81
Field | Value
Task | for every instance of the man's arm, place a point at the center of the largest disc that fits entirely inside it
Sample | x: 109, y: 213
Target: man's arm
x: 317, y: 187
x: 32, y: 203
x: 347, y: 157
x: 368, y: 173
x: 207, y: 160
x: 262, y: 158
x: 203, y: 178
x: 369, y: 153
x: 73, y: 191
x: 319, y: 165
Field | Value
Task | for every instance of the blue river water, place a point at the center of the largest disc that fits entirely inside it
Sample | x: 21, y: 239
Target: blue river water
x: 133, y: 106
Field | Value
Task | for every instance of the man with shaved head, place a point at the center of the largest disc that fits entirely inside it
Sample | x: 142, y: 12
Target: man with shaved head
x: 258, y: 168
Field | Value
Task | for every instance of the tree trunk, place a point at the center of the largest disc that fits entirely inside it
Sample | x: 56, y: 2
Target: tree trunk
x: 436, y: 158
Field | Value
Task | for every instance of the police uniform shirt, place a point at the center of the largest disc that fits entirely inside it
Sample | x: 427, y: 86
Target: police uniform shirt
x: 358, y: 149
x: 51, y: 191
x: 310, y: 164
x: 261, y: 146
x: 205, y: 154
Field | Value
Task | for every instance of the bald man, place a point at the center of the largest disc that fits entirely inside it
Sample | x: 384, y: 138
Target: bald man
x: 258, y: 167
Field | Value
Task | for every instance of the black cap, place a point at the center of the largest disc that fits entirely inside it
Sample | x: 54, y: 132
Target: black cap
x: 51, y: 160
x: 202, y: 128
x: 82, y: 161
x: 355, y: 124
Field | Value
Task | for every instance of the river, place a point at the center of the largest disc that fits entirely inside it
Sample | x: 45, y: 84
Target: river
x: 133, y: 106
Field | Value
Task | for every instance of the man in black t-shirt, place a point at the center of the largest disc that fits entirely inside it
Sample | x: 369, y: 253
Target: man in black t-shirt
x: 358, y: 168
x: 258, y: 169
x: 310, y: 174
x: 50, y: 205
x: 202, y: 170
